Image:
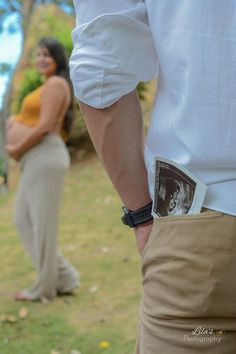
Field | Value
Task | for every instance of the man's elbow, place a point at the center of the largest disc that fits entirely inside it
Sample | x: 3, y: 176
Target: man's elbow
x: 96, y: 87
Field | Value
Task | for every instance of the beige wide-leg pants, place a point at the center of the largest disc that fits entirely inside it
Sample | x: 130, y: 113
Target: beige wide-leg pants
x: 37, y: 215
x: 189, y: 286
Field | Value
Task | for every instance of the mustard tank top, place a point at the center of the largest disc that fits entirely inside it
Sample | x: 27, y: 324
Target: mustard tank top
x: 30, y: 110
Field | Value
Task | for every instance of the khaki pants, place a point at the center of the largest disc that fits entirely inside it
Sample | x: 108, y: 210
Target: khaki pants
x: 37, y: 213
x: 189, y: 286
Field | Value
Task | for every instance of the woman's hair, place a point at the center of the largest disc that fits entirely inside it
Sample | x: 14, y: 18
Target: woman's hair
x: 57, y: 52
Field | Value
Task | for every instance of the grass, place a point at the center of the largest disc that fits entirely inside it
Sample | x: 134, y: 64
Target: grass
x: 93, y: 239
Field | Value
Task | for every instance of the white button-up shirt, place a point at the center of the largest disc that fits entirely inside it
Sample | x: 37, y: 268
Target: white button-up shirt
x: 191, y: 46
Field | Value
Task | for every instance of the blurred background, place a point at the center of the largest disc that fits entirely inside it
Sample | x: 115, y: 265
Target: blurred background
x: 102, y: 315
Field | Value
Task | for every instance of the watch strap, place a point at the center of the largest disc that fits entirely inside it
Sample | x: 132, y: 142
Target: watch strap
x: 137, y: 217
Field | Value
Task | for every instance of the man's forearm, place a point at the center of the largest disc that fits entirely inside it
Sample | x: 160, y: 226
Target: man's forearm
x: 118, y: 136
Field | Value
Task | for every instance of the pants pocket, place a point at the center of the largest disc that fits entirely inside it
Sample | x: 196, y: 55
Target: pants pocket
x: 187, y: 266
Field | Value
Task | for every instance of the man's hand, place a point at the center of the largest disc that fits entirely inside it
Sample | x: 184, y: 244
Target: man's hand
x: 142, y: 233
x: 13, y: 151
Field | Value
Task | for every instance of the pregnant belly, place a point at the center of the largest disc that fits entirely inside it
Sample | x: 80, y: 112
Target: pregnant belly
x: 17, y: 132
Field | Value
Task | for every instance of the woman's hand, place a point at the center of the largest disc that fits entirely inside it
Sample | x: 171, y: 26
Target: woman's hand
x: 10, y: 122
x: 13, y: 151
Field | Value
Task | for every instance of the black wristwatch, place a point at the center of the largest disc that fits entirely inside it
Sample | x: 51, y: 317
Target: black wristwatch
x: 134, y: 218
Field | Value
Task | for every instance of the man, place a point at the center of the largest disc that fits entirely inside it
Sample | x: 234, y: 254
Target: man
x: 188, y: 262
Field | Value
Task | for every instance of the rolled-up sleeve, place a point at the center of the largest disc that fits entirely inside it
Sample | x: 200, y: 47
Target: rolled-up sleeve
x: 113, y: 51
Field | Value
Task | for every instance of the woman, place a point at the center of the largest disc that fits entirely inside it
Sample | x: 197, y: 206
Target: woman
x: 34, y: 138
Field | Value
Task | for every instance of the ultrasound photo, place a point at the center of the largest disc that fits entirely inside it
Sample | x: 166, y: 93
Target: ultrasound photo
x: 177, y: 191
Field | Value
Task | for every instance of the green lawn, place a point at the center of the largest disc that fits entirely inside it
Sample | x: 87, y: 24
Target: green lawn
x: 93, y: 239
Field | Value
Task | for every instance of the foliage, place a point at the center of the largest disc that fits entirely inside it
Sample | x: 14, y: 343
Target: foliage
x: 5, y: 68
x: 9, y: 7
x: 142, y: 88
x: 46, y: 20
x: 22, y: 11
x: 3, y: 175
x: 52, y: 21
x: 2, y: 169
x: 31, y: 81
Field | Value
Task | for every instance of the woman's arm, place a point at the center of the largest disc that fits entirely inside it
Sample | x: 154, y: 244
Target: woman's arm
x: 53, y: 97
x: 10, y: 122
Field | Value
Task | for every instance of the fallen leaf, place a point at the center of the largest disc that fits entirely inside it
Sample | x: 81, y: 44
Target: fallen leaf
x: 8, y: 318
x: 104, y: 344
x: 71, y: 247
x: 74, y: 351
x: 23, y: 313
x: 3, y: 318
x: 93, y: 289
x: 44, y: 300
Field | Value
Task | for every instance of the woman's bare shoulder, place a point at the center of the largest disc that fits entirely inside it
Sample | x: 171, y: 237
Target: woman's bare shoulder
x: 56, y: 83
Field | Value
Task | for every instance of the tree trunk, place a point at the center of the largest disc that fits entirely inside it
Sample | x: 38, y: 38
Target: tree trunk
x: 26, y: 13
x: 27, y: 10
